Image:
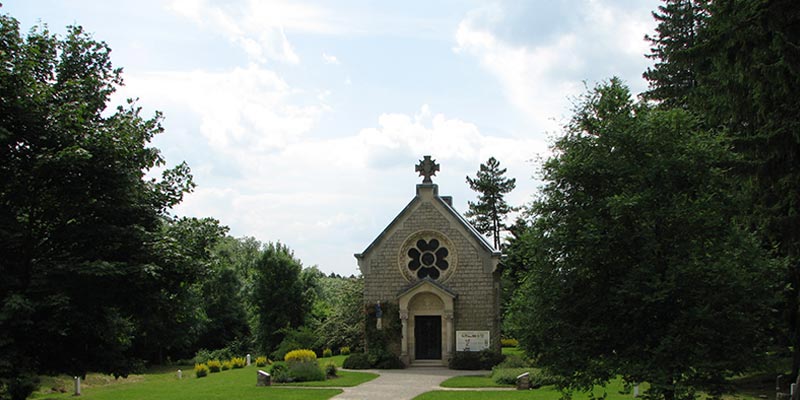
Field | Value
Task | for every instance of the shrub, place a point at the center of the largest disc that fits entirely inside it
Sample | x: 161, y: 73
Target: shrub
x: 513, y: 361
x: 327, y: 353
x: 299, y: 356
x: 279, y: 372
x: 470, y: 360
x: 226, y: 365
x: 356, y: 361
x: 203, y: 356
x: 214, y: 366
x: 385, y: 360
x: 330, y: 369
x: 200, y: 370
x: 262, y: 361
x: 345, y: 350
x: 238, y: 362
x: 306, y: 371
x: 509, y: 342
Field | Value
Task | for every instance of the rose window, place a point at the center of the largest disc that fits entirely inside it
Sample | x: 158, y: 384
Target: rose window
x: 428, y: 259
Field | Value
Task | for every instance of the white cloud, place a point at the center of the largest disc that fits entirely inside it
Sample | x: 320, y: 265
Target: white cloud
x: 539, y: 79
x: 329, y: 59
x: 259, y: 27
x: 245, y: 109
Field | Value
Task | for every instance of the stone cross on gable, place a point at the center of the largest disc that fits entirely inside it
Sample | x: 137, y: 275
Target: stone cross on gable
x: 427, y: 168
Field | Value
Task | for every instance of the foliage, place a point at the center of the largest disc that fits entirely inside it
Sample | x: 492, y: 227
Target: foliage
x: 344, y: 350
x: 383, y: 344
x: 642, y: 269
x: 226, y: 365
x: 305, y: 371
x: 201, y: 370
x: 277, y: 295
x: 344, y: 324
x: 487, y: 215
x: 238, y: 362
x: 214, y: 366
x: 357, y: 361
x: 80, y: 220
x: 508, y: 376
x: 513, y: 361
x: 204, y: 356
x: 330, y: 370
x: 749, y: 89
x: 301, y: 337
x: 475, y: 360
x: 327, y: 353
x: 673, y: 78
x: 279, y: 372
x: 262, y: 361
x: 303, y: 355
x: 508, y: 342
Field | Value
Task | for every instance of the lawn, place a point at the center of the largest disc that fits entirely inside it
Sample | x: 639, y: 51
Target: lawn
x: 471, y: 381
x: 232, y: 384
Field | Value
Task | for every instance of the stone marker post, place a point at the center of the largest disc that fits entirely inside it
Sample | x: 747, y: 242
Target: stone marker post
x: 263, y: 379
x: 794, y: 393
x: 77, y: 386
x: 180, y: 374
x: 248, y: 360
x: 524, y: 381
x: 636, y: 390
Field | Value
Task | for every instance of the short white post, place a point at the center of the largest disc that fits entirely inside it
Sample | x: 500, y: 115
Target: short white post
x: 793, y: 389
x: 180, y: 374
x: 77, y: 386
x: 636, y: 390
x: 248, y: 360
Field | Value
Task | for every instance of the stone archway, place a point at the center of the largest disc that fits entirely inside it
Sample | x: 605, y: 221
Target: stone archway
x: 426, y: 313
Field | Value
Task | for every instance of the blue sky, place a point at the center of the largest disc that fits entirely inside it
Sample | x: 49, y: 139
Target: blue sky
x: 302, y: 121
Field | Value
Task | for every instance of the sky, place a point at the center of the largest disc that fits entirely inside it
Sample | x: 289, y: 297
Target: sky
x: 302, y: 121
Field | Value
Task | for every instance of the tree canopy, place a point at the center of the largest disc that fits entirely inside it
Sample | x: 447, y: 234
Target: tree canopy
x: 641, y: 269
x: 80, y: 222
x: 488, y: 214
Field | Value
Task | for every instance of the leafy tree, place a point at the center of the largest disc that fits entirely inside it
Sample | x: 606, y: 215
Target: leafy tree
x: 278, y: 296
x: 344, y: 324
x: 641, y: 269
x: 743, y: 62
x: 673, y: 77
x: 487, y: 215
x: 750, y: 91
x: 80, y: 224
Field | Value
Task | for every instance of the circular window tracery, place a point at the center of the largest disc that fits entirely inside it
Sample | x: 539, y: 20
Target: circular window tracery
x: 427, y: 254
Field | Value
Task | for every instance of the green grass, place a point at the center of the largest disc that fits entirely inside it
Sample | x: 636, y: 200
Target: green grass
x: 513, y: 350
x: 471, y: 381
x: 232, y: 384
x: 337, y: 360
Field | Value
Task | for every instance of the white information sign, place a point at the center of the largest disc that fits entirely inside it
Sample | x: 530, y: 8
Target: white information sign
x: 472, y: 340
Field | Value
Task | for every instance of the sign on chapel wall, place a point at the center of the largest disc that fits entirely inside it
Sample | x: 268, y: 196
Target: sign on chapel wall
x: 472, y: 340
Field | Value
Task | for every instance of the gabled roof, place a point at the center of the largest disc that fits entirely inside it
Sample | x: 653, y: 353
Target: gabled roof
x: 448, y: 208
x: 425, y: 281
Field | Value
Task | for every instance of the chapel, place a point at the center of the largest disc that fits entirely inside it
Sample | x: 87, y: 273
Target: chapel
x: 440, y: 274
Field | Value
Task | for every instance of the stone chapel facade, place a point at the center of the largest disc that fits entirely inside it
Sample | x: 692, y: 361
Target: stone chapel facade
x: 442, y: 274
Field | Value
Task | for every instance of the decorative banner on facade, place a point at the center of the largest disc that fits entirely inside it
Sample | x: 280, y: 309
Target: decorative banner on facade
x: 472, y: 340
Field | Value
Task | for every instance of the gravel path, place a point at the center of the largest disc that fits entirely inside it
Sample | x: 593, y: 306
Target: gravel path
x: 402, y: 384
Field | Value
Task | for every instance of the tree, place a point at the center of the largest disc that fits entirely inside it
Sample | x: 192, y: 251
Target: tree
x: 642, y: 270
x: 79, y: 221
x: 673, y: 77
x: 277, y: 296
x: 487, y: 215
x: 743, y: 62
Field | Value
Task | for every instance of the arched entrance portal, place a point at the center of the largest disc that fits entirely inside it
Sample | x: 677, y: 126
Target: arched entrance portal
x: 426, y: 313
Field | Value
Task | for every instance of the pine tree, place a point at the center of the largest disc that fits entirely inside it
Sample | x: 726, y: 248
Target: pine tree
x: 489, y: 212
x: 673, y: 77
